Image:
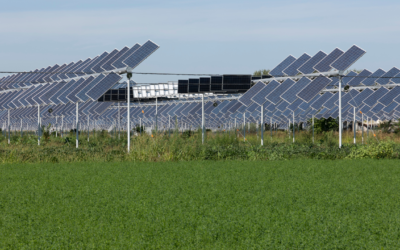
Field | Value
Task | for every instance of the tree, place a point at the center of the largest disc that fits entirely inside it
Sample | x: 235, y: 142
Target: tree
x: 324, y: 125
x: 261, y: 72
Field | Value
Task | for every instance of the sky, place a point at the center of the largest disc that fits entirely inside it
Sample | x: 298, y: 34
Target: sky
x: 196, y: 37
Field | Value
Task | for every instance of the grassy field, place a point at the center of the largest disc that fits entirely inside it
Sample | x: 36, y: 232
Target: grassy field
x: 300, y: 204
x: 231, y: 145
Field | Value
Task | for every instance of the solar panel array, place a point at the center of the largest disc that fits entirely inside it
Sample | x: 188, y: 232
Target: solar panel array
x: 302, y: 96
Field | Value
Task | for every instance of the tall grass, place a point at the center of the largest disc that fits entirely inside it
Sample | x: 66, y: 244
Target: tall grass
x: 219, y: 145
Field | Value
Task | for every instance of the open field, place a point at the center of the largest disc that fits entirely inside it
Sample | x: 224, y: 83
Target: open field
x: 201, y: 205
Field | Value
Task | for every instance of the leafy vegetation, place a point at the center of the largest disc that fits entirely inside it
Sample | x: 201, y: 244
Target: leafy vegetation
x: 201, y: 205
x: 221, y: 145
x: 261, y: 72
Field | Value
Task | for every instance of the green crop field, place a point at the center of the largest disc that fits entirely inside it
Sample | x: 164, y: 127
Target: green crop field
x: 307, y: 204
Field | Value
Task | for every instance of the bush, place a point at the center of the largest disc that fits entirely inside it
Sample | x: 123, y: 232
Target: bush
x: 373, y: 151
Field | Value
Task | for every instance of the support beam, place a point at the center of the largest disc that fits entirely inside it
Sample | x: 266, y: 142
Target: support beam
x: 77, y: 124
x: 340, y: 112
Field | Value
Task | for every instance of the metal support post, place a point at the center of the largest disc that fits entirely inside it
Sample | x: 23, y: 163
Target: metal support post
x: 128, y: 113
x: 202, y: 119
x: 244, y: 126
x: 262, y: 125
x: 156, y: 115
x: 88, y: 127
x: 270, y: 127
x: 9, y: 125
x: 354, y: 124
x: 340, y: 110
x: 119, y: 121
x: 312, y: 128
x: 293, y: 128
x: 77, y: 124
x: 38, y: 125
x: 62, y: 126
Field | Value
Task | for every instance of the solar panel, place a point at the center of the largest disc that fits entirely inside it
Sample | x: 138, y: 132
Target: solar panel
x: 78, y: 85
x: 308, y: 67
x: 278, y: 70
x: 141, y: 54
x: 377, y: 108
x: 295, y: 105
x: 47, y: 78
x: 323, y: 98
x: 118, y: 63
x: 291, y: 70
x: 52, y: 89
x: 372, y: 99
x: 100, y: 88
x: 23, y: 98
x: 287, y: 113
x: 360, y: 77
x: 290, y: 94
x: 348, y: 78
x: 348, y: 58
x: 350, y: 98
x: 259, y: 98
x: 252, y: 107
x: 390, y: 96
x: 246, y: 97
x: 270, y: 107
x: 274, y: 96
x: 312, y: 89
x: 324, y: 64
x: 98, y: 67
x: 38, y: 93
x: 370, y: 81
x: 330, y: 103
x: 387, y: 76
x: 390, y: 107
x: 88, y: 68
x: 282, y: 106
x: 395, y: 79
x: 397, y: 99
x: 77, y: 65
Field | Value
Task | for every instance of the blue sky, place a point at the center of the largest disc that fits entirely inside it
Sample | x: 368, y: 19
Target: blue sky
x: 218, y: 37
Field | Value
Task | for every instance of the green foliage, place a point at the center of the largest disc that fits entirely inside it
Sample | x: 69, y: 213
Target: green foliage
x: 324, y: 125
x: 261, y: 72
x: 46, y: 132
x: 139, y: 129
x: 187, y: 146
x: 300, y: 204
x: 373, y: 151
x: 390, y: 126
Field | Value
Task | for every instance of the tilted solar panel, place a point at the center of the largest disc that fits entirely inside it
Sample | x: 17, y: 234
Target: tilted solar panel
x: 260, y: 97
x: 291, y: 70
x: 274, y: 96
x: 370, y: 81
x: 291, y: 94
x: 324, y: 64
x: 246, y: 97
x: 373, y: 99
x: 308, y: 67
x: 100, y: 88
x: 141, y: 54
x: 348, y: 58
x: 312, y: 89
x: 385, y: 78
x: 390, y: 96
x: 278, y: 70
